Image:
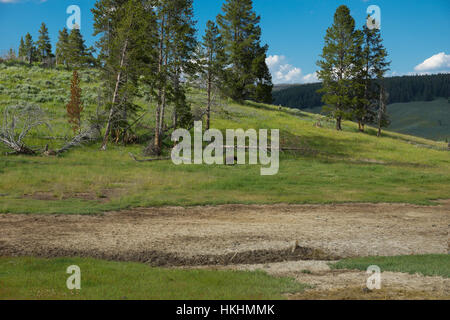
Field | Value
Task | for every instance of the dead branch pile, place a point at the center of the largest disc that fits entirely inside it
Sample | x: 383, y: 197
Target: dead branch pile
x: 18, y: 121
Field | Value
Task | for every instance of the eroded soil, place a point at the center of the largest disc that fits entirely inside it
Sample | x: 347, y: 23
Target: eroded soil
x: 236, y: 235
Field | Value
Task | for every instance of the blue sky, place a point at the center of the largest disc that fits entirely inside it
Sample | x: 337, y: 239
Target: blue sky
x: 416, y: 33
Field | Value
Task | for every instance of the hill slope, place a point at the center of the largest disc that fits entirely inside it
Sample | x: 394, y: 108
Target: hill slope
x: 332, y: 167
x: 424, y: 119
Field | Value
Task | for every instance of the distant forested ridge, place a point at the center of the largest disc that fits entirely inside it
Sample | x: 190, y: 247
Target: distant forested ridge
x: 401, y: 89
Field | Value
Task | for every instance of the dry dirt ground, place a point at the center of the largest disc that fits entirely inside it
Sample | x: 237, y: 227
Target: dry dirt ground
x: 275, y: 238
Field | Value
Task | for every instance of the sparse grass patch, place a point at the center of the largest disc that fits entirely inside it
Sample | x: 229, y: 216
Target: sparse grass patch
x: 427, y: 265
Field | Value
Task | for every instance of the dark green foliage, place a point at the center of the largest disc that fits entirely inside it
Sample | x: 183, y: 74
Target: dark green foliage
x: 76, y: 54
x: 339, y: 66
x: 22, y: 52
x: 176, y: 45
x: 29, y: 49
x: 263, y: 88
x: 182, y: 108
x: 178, y: 57
x: 125, y: 47
x: 247, y: 76
x: 400, y: 90
x: 44, y: 47
x: 211, y: 60
x: 62, y: 47
x: 371, y: 63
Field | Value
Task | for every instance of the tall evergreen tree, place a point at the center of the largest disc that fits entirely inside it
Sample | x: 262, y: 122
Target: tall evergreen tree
x: 61, y: 51
x: 338, y: 67
x: 44, y: 47
x: 239, y: 27
x: 176, y: 45
x: 264, y: 85
x: 125, y: 45
x: 77, y: 53
x: 212, y: 61
x: 180, y: 56
x: 29, y: 49
x: 373, y: 66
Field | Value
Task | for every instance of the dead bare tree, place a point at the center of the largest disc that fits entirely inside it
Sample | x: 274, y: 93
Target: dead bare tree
x: 91, y: 134
x: 18, y: 121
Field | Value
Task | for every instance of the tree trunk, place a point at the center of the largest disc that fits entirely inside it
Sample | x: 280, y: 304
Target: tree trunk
x: 208, y: 108
x: 116, y: 92
x: 339, y: 123
x: 161, y: 93
x: 18, y: 148
x: 163, y: 103
x: 360, y: 126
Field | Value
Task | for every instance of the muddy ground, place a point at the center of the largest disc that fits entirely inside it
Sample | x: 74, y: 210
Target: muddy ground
x: 245, y: 237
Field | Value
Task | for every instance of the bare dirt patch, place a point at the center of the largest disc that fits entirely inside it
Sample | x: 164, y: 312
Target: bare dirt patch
x: 232, y: 234
x: 330, y: 284
x: 284, y: 240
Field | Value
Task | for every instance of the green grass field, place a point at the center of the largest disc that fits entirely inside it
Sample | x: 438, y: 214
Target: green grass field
x: 42, y: 279
x: 337, y: 167
x: 427, y: 265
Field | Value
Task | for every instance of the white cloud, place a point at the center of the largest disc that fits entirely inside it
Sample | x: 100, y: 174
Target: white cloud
x: 438, y: 63
x: 283, y: 72
x: 310, y: 78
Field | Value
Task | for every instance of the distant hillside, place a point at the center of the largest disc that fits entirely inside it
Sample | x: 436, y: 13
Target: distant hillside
x: 430, y: 119
x: 412, y: 109
x: 401, y: 89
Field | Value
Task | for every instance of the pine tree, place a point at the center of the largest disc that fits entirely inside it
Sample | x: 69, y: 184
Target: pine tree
x: 22, y: 51
x: 127, y: 31
x: 373, y: 65
x: 44, y: 46
x: 264, y: 86
x: 62, y: 47
x: 75, y: 106
x: 180, y: 53
x: 239, y: 27
x: 176, y: 45
x: 338, y: 66
x: 29, y: 49
x: 76, y: 49
x: 212, y: 61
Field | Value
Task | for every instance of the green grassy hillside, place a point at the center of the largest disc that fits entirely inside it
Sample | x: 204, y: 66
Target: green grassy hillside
x: 334, y: 167
x: 424, y: 119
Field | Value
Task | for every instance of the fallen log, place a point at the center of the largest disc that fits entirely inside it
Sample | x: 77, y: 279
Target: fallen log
x: 89, y: 135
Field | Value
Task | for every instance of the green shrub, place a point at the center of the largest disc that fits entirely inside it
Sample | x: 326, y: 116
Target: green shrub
x: 27, y: 88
